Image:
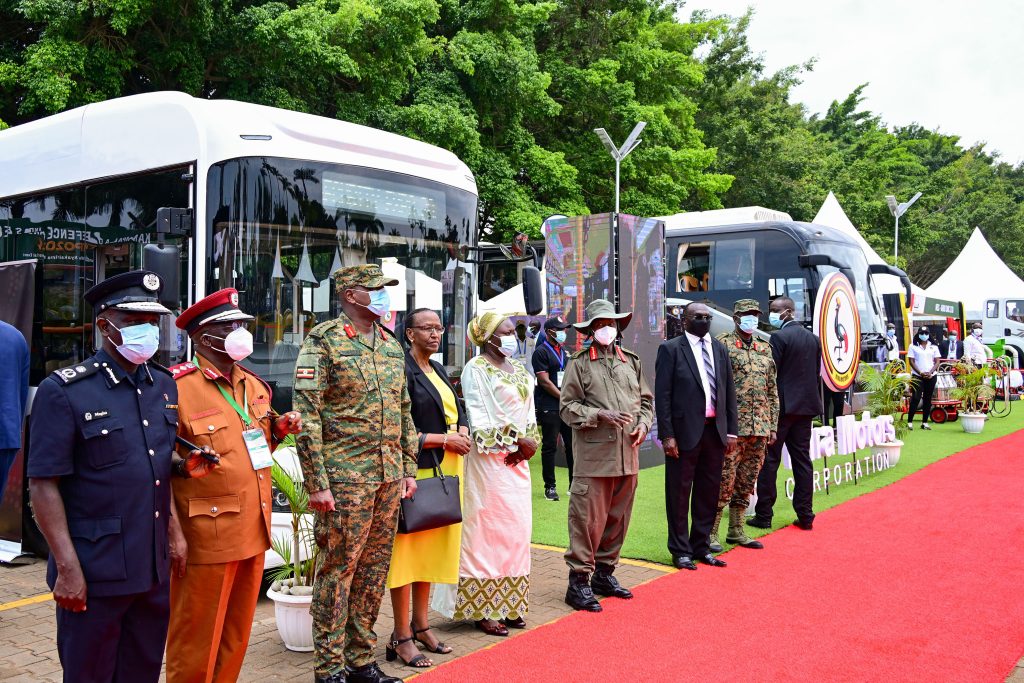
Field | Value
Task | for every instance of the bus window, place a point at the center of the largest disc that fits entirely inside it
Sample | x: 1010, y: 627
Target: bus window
x: 693, y: 267
x: 991, y: 309
x: 796, y: 289
x: 280, y: 227
x: 732, y: 264
x: 1015, y: 310
x: 497, y: 277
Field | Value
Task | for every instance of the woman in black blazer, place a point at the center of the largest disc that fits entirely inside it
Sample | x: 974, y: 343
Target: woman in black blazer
x: 427, y: 557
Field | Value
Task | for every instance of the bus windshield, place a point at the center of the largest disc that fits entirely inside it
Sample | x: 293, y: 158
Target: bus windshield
x: 852, y: 257
x: 278, y: 228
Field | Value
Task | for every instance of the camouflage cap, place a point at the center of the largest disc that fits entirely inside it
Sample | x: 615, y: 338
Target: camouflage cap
x: 368, y: 275
x: 746, y: 305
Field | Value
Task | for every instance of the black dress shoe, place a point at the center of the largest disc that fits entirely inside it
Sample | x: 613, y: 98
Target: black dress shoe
x: 370, y: 673
x: 330, y: 678
x: 580, y: 596
x: 801, y: 524
x: 711, y: 560
x: 608, y: 586
x: 683, y: 562
x: 759, y: 523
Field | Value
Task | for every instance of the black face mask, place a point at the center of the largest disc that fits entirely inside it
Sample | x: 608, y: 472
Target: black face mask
x: 698, y: 328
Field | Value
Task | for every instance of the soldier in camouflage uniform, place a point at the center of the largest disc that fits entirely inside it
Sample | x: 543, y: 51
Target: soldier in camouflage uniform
x: 358, y: 455
x: 757, y: 402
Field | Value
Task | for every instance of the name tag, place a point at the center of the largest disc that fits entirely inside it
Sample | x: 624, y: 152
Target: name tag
x: 561, y: 375
x: 259, y: 449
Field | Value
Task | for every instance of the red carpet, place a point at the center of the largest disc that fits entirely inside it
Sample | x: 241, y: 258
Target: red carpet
x: 920, y: 581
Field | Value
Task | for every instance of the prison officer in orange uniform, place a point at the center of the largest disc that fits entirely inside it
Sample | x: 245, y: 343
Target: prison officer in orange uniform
x: 220, y: 527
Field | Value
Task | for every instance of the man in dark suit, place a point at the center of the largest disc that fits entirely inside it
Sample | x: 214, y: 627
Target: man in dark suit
x: 14, y: 360
x: 797, y: 354
x: 695, y: 400
x: 951, y: 347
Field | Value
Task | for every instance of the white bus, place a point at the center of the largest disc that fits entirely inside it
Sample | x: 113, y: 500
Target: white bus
x: 267, y: 201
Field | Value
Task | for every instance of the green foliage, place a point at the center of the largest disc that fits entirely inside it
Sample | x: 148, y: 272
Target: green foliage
x: 973, y: 387
x: 886, y: 388
x: 301, y: 543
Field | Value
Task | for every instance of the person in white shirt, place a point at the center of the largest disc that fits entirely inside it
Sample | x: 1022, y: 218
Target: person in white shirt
x: 923, y: 355
x: 974, y: 348
x: 891, y: 350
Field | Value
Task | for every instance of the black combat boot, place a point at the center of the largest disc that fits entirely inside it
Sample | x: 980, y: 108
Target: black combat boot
x: 580, y: 596
x: 603, y: 583
x: 329, y: 678
x: 370, y: 673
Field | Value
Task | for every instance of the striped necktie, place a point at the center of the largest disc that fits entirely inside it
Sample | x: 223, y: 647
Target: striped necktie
x: 709, y: 370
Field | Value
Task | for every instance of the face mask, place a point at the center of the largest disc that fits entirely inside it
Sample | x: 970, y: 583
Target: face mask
x: 977, y: 333
x: 560, y: 337
x: 891, y: 333
x: 138, y: 342
x: 238, y: 343
x: 775, y: 319
x: 380, y: 302
x: 606, y: 335
x: 748, y: 323
x: 952, y: 337
x: 923, y: 337
x: 698, y: 328
x: 508, y: 344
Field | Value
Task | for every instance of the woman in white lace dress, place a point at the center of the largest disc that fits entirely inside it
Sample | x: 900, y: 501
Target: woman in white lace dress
x: 494, y: 570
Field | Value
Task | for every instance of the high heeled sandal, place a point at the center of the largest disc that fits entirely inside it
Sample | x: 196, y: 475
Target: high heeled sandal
x: 441, y: 648
x: 420, y: 661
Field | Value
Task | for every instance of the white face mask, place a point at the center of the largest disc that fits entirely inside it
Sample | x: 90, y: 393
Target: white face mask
x: 238, y: 343
x: 138, y: 342
x: 606, y: 335
x: 976, y: 333
x: 508, y: 344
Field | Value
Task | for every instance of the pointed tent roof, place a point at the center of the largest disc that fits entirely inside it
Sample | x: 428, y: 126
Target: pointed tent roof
x: 975, y: 275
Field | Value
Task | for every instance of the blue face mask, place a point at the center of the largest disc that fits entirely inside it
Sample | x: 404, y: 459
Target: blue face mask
x: 560, y: 337
x: 891, y: 333
x: 775, y: 319
x: 138, y: 342
x: 923, y: 337
x: 380, y: 302
x: 748, y: 323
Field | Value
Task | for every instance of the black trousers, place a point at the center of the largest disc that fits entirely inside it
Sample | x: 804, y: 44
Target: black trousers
x: 698, y: 472
x: 834, y: 404
x: 923, y: 389
x: 551, y: 426
x: 795, y: 432
x: 118, y: 639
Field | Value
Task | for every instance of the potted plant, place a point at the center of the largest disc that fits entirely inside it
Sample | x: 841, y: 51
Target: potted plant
x: 291, y: 586
x: 974, y: 390
x: 886, y: 388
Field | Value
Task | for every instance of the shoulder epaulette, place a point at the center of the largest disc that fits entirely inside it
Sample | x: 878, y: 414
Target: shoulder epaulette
x: 73, y: 373
x: 319, y: 330
x: 161, y: 368
x: 630, y: 353
x: 255, y: 376
x: 181, y: 369
x: 578, y: 354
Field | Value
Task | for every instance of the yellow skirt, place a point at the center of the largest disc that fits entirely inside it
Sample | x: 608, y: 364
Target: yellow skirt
x: 430, y: 556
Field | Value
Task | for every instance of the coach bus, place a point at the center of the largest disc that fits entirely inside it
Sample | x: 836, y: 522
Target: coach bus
x: 214, y: 194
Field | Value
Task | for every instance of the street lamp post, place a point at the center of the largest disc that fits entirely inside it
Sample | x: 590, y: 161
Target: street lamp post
x: 618, y: 154
x: 897, y: 209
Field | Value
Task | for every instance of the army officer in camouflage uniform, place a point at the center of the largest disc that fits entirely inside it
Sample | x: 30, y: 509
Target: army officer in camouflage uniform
x: 358, y: 455
x: 608, y: 404
x: 757, y: 402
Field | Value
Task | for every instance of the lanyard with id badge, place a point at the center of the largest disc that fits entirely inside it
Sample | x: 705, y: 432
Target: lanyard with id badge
x: 561, y: 362
x: 254, y: 438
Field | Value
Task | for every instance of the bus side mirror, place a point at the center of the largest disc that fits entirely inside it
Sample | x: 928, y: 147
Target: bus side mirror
x: 533, y: 294
x: 165, y: 261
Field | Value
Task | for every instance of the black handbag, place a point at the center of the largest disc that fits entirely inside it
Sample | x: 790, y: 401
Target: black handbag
x: 434, y: 505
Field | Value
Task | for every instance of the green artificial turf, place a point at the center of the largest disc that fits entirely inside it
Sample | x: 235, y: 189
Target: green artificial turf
x: 648, y: 530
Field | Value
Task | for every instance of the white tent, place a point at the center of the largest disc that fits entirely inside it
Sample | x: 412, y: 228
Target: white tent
x: 975, y: 275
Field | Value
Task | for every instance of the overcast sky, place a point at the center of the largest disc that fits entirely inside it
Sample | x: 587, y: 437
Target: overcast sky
x: 953, y: 65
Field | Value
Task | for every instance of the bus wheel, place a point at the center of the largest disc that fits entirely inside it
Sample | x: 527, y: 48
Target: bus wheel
x: 938, y: 415
x: 32, y: 539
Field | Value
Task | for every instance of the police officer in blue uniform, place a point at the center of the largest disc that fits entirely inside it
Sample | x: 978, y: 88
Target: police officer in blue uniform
x: 102, y: 435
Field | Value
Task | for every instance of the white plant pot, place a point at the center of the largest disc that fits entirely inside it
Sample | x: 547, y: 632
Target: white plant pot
x: 891, y: 450
x: 294, y: 622
x: 973, y: 423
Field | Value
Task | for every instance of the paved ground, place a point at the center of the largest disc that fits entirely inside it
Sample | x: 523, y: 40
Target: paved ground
x: 28, y: 651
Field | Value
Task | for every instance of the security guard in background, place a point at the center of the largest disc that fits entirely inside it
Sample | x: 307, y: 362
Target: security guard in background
x: 358, y: 455
x: 220, y: 525
x: 757, y: 406
x: 99, y: 467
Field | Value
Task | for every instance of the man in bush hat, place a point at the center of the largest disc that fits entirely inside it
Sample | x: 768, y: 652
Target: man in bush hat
x: 99, y: 470
x: 358, y: 455
x: 607, y: 402
x: 757, y: 410
x: 220, y: 526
